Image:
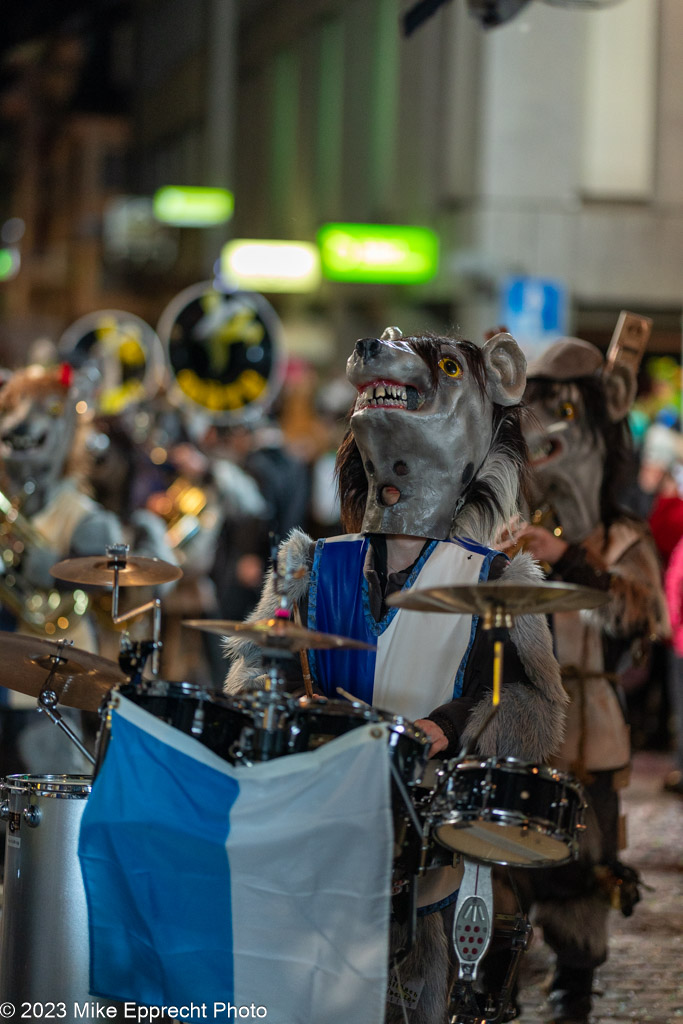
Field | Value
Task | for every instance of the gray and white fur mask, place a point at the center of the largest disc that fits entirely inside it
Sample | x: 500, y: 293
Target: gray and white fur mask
x: 423, y: 442
x: 40, y: 433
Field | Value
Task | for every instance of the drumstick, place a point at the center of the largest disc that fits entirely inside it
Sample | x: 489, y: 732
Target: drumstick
x: 350, y: 696
x: 303, y: 657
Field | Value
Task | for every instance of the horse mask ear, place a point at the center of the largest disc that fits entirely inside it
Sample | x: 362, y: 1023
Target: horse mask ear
x: 621, y: 385
x: 505, y: 369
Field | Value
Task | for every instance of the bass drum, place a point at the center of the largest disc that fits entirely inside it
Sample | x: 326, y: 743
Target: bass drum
x: 44, y: 951
x: 507, y: 812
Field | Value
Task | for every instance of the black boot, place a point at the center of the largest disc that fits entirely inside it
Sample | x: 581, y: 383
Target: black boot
x: 570, y: 995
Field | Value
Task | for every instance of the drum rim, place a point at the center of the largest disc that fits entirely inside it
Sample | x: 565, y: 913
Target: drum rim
x: 570, y: 844
x: 522, y: 865
x: 402, y: 726
x: 517, y: 766
x: 336, y: 709
x: 148, y: 688
x: 65, y: 787
x: 494, y: 816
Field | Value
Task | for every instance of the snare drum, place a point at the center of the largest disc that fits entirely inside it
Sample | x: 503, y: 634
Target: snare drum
x: 319, y: 721
x: 507, y: 812
x: 316, y: 722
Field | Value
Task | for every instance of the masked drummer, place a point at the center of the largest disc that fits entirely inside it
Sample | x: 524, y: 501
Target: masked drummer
x: 429, y: 470
x: 580, y: 447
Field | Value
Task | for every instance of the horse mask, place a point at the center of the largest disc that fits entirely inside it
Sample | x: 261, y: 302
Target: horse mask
x: 568, y: 443
x: 422, y: 436
x: 38, y: 432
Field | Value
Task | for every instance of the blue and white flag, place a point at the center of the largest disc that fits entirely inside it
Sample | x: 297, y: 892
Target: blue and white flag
x: 266, y: 885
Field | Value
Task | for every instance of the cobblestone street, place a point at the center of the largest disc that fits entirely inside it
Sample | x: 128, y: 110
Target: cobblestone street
x: 643, y: 979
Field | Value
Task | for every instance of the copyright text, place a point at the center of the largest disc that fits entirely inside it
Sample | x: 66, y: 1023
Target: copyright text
x: 217, y: 1011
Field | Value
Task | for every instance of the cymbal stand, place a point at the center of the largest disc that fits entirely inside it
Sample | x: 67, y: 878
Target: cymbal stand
x: 404, y: 903
x: 473, y: 922
x: 497, y: 622
x: 271, y: 700
x: 274, y: 690
x: 134, y: 656
x: 48, y: 700
x: 270, y: 703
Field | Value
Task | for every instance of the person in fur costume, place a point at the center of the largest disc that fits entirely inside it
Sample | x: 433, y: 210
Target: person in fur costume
x: 579, y: 445
x: 428, y: 472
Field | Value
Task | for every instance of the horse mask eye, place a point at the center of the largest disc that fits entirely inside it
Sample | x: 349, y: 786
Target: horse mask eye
x: 450, y: 367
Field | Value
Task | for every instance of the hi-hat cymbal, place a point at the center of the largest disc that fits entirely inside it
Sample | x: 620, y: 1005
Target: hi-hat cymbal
x: 513, y: 598
x: 81, y: 681
x: 97, y: 570
x: 277, y: 633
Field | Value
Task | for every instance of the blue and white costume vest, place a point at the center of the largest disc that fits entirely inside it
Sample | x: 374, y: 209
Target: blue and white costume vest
x: 420, y: 658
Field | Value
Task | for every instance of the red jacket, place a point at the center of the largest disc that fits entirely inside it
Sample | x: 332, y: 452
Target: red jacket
x: 666, y: 523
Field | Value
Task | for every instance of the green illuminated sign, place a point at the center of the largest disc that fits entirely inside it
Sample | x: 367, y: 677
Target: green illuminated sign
x: 9, y: 264
x: 193, y: 206
x: 271, y: 265
x: 378, y: 253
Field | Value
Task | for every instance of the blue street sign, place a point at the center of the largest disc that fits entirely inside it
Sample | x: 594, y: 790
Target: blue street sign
x: 534, y: 310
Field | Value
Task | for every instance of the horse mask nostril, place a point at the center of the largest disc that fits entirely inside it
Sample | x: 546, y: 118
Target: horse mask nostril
x: 368, y: 348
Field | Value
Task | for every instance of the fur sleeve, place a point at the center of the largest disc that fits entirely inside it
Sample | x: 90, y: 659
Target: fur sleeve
x: 246, y: 671
x: 637, y: 603
x: 529, y: 723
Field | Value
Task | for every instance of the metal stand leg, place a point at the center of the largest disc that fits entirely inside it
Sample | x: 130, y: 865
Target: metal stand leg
x: 48, y: 699
x: 55, y: 716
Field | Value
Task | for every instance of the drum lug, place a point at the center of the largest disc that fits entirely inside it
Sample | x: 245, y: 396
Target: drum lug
x: 4, y: 810
x: 294, y: 733
x: 197, y: 727
x: 32, y: 815
x: 425, y: 851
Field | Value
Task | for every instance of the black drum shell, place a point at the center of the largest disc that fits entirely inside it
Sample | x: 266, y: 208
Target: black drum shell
x: 506, y: 811
x: 210, y: 717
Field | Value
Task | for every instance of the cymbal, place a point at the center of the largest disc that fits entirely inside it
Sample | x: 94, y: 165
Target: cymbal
x: 278, y: 633
x: 514, y: 598
x: 97, y: 570
x: 81, y: 681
